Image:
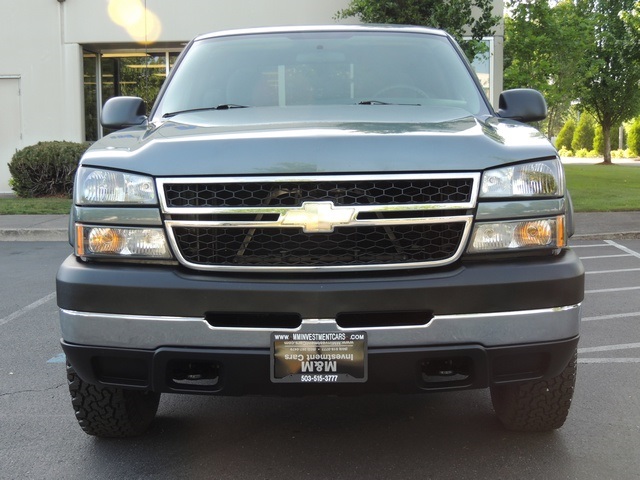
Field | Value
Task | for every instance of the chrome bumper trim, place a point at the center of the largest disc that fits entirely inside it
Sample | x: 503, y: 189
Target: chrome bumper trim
x: 487, y: 329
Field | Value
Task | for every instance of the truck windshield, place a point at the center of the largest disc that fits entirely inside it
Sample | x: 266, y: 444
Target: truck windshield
x: 321, y: 68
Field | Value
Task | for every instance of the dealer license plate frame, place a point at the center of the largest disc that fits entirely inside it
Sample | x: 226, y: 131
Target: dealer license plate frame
x: 319, y: 357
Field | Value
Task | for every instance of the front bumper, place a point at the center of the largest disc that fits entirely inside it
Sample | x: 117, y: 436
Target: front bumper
x: 142, y: 327
x: 474, y: 287
x: 246, y: 371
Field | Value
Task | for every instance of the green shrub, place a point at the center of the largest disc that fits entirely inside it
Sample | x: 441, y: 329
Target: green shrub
x: 564, y: 152
x: 598, y: 140
x: 615, y: 138
x: 582, y: 153
x: 584, y: 133
x: 45, y: 169
x: 633, y: 137
x: 565, y: 136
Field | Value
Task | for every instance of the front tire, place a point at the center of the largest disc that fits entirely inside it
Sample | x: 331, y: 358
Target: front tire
x: 110, y: 411
x: 536, y: 406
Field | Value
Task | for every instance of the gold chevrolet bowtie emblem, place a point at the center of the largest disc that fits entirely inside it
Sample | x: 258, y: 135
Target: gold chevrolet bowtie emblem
x: 318, y: 217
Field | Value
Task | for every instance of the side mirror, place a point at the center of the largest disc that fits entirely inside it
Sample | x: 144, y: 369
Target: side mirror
x: 121, y: 112
x: 522, y: 104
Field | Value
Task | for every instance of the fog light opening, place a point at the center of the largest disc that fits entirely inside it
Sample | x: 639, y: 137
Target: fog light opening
x: 193, y: 375
x: 446, y: 371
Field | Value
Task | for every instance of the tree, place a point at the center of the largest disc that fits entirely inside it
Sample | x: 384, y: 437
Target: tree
x: 598, y: 139
x: 632, y: 17
x: 458, y: 17
x: 633, y: 137
x: 565, y: 137
x: 584, y: 133
x: 610, y: 84
x: 539, y: 40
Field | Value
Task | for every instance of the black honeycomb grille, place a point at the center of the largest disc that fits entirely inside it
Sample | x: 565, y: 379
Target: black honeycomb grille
x: 291, y: 194
x: 345, y: 246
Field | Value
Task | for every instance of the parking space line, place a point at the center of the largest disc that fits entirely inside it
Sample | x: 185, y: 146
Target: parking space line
x: 609, y: 348
x: 22, y: 311
x: 610, y: 290
x: 621, y: 270
x: 611, y: 317
x: 625, y: 252
x: 591, y: 246
x: 623, y: 248
x: 60, y: 358
x: 608, y: 360
x: 607, y: 256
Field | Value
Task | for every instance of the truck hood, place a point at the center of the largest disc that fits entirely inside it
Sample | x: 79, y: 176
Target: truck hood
x: 305, y: 140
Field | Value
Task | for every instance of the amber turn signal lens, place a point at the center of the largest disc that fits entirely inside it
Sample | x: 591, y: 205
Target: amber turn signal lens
x: 105, y: 240
x: 536, y: 233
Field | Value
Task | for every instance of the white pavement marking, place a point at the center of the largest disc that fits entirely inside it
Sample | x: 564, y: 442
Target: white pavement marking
x: 609, y: 348
x: 607, y: 256
x: 28, y: 308
x: 623, y: 248
x: 60, y: 358
x: 590, y: 246
x: 609, y: 360
x: 622, y: 270
x: 610, y: 290
x: 611, y: 317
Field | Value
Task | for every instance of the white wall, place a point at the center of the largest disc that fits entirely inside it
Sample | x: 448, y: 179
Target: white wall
x: 31, y: 49
x: 88, y: 21
x: 10, y: 122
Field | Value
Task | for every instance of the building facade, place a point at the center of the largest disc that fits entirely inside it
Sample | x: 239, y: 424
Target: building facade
x: 60, y: 60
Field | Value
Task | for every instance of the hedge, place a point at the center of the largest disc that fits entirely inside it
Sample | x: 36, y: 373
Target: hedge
x: 45, y: 169
x: 633, y: 137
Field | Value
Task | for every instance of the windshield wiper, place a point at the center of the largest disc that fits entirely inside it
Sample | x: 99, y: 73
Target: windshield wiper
x: 223, y: 106
x: 378, y: 102
x: 372, y: 102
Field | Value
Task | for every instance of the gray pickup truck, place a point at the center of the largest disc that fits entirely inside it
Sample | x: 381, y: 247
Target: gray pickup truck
x: 320, y: 210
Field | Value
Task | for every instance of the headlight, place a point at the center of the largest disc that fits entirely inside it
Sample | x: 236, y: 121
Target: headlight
x: 100, y: 187
x: 537, y: 179
x: 105, y: 241
x: 524, y: 234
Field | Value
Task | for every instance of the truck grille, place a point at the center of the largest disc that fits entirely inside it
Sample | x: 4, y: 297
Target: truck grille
x: 287, y: 194
x: 331, y: 223
x: 284, y: 247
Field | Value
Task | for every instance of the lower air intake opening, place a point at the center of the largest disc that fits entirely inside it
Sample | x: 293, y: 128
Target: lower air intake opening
x: 253, y: 320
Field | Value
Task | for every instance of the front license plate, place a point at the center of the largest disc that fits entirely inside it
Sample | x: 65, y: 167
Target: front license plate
x: 319, y: 357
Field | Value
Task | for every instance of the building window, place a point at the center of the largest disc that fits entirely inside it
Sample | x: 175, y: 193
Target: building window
x: 90, y: 61
x: 482, y: 64
x: 112, y: 74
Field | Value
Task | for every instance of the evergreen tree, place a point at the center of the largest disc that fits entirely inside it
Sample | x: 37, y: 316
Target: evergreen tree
x: 565, y: 137
x: 633, y: 137
x: 584, y: 133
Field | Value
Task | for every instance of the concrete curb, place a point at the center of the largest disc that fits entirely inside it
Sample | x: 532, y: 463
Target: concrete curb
x: 34, y: 235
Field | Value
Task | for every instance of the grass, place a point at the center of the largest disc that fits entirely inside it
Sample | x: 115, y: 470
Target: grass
x: 604, y: 188
x: 34, y: 206
x: 594, y: 188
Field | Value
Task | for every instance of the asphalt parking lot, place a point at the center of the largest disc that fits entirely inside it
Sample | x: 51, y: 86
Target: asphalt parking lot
x: 385, y: 436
